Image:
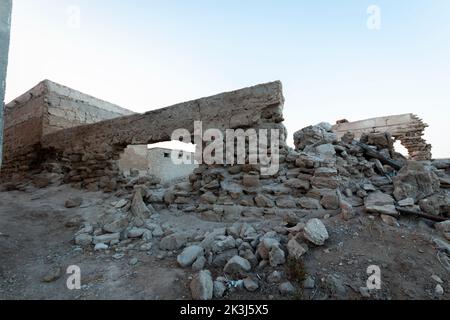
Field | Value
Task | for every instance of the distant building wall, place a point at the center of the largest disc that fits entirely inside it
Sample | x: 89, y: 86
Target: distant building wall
x: 134, y: 157
x: 155, y: 161
x: 162, y: 166
x: 5, y: 28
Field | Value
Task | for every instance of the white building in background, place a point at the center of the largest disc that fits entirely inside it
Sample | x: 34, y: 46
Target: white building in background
x: 156, y: 161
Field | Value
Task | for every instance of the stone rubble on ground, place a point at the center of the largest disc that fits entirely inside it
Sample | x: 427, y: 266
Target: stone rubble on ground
x: 323, y: 177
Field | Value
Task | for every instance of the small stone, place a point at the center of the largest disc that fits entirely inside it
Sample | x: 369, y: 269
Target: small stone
x: 276, y: 256
x: 250, y: 285
x: 219, y: 289
x: 309, y: 283
x: 83, y: 240
x: 73, y: 203
x: 106, y: 238
x: 116, y: 226
x: 100, y: 247
x: 406, y: 202
x: 250, y: 181
x: 199, y: 264
x: 118, y: 256
x: 365, y: 292
x: 202, y: 286
x: 189, y: 255
x: 52, y: 275
x: 275, y: 277
x: 146, y: 247
x: 389, y: 220
x: 443, y: 226
x: 120, y: 204
x: 316, y: 232
x: 439, y: 290
x: 135, y: 233
x: 295, y: 249
x: 286, y: 289
x: 437, y: 279
x: 134, y: 261
x: 173, y: 242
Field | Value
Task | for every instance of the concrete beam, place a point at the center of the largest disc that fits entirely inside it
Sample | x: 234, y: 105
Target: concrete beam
x: 5, y: 28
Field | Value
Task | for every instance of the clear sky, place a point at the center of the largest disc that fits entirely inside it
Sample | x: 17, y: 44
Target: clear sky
x: 144, y: 54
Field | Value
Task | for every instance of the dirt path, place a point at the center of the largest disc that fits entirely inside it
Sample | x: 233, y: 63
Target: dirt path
x: 35, y: 239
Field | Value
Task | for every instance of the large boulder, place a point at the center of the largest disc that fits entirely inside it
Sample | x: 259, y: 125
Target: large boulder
x: 415, y: 181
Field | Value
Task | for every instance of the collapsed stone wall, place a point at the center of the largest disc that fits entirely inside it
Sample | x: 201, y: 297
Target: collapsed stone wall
x: 89, y: 153
x: 407, y: 128
x: 46, y: 108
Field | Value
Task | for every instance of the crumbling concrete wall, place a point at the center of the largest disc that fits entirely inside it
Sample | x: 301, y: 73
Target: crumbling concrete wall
x: 5, y: 28
x: 47, y: 108
x: 406, y: 128
x: 90, y: 152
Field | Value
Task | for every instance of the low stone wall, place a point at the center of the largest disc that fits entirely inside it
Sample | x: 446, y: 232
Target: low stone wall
x: 89, y: 153
x: 46, y: 108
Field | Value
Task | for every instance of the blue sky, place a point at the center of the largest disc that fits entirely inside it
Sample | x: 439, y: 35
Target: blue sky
x: 145, y: 55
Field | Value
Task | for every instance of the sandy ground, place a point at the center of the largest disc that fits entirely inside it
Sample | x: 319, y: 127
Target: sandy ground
x: 36, y: 236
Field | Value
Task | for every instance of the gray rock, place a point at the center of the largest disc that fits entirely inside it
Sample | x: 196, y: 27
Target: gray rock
x: 276, y: 257
x: 189, y: 255
x: 136, y: 232
x: 219, y: 289
x: 202, y: 286
x: 173, y: 242
x: 275, y: 277
x: 101, y: 247
x: 250, y: 284
x: 52, y: 275
x: 439, y: 290
x: 73, y: 202
x: 83, y: 239
x: 295, y: 249
x: 309, y: 203
x: 415, y: 181
x: 406, y: 202
x: 309, y: 283
x: 286, y: 289
x: 264, y: 202
x: 380, y: 203
x: 106, y: 238
x: 443, y: 226
x: 237, y: 267
x: 316, y: 232
x: 116, y: 226
x: 199, y: 263
x: 221, y: 259
x: 326, y: 150
x: 224, y: 244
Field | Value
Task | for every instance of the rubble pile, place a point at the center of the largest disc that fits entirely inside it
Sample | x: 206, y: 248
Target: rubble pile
x: 322, y: 177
